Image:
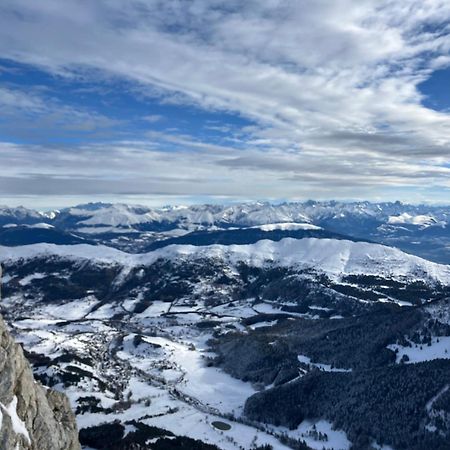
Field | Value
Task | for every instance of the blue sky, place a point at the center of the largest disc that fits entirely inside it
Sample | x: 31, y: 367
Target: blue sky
x: 436, y: 90
x: 128, y: 111
x: 175, y: 101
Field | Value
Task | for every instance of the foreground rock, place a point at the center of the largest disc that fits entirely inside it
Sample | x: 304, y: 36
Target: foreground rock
x: 31, y: 416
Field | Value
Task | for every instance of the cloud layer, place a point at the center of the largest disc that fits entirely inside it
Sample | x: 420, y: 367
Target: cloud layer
x: 329, y: 86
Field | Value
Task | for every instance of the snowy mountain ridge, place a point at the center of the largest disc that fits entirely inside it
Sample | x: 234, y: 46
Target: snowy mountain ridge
x: 333, y: 257
x: 250, y: 214
x: 246, y: 214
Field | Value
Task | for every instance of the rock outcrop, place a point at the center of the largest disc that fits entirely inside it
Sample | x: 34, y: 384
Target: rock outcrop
x: 32, y: 417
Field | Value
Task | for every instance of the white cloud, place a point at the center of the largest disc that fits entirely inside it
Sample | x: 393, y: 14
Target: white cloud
x: 138, y: 169
x: 153, y: 118
x: 13, y: 100
x: 331, y: 86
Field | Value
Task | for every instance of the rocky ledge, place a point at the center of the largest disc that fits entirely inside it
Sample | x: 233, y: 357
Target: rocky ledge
x: 32, y: 417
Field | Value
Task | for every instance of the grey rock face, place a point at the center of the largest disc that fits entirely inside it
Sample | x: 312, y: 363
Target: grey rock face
x: 31, y: 416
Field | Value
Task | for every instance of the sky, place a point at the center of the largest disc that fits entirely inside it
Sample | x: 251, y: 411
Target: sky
x: 186, y: 101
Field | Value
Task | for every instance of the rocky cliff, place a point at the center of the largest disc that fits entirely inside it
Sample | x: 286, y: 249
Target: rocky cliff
x: 31, y: 416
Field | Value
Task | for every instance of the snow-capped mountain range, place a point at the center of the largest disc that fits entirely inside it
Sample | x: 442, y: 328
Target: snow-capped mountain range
x: 132, y: 217
x: 422, y: 230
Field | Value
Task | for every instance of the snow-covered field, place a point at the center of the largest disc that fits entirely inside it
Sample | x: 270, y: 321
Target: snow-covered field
x: 147, y: 368
x: 438, y: 348
x: 156, y: 406
x: 318, y: 435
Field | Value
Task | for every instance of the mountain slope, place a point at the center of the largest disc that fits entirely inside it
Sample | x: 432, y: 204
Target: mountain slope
x: 333, y: 257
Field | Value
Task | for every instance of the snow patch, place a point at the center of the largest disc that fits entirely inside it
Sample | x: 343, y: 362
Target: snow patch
x: 155, y: 309
x: 439, y: 349
x: 264, y: 324
x: 74, y: 310
x: 324, y: 367
x: 287, y: 226
x: 41, y: 225
x: 419, y: 220
x: 35, y: 276
x: 17, y: 424
x: 105, y: 230
x: 318, y: 435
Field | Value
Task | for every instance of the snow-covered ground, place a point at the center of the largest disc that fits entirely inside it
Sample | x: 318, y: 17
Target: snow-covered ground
x: 324, y: 367
x: 76, y: 309
x: 287, y: 226
x: 439, y: 348
x: 420, y: 220
x: 157, y: 407
x: 318, y: 434
x: 34, y: 276
x: 210, y: 385
x: 163, y: 375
